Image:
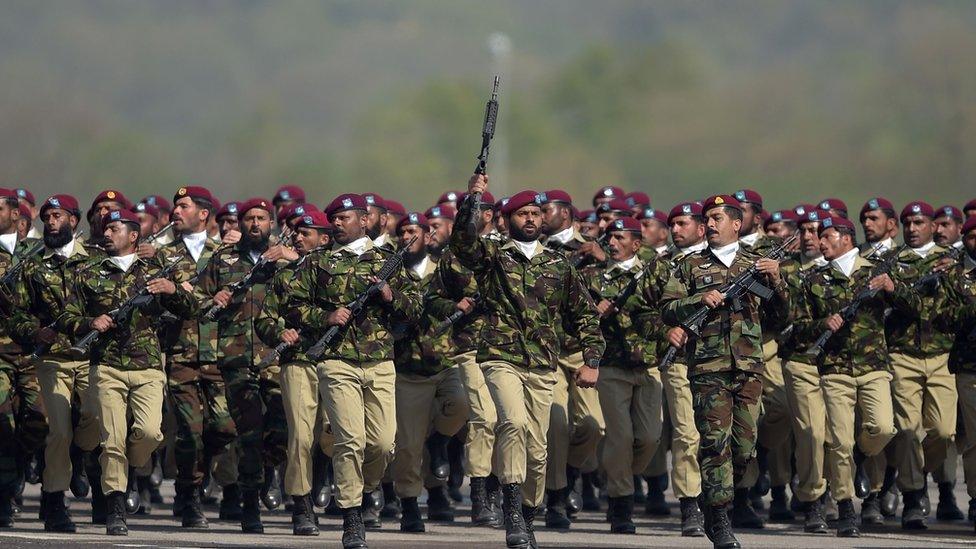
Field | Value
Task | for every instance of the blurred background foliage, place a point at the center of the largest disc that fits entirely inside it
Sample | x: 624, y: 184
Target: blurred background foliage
x: 798, y: 99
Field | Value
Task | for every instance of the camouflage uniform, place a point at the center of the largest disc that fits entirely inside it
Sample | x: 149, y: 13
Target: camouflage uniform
x: 126, y: 361
x: 253, y: 398
x: 923, y: 388
x: 524, y: 300
x: 725, y: 366
x: 204, y: 427
x: 356, y: 375
x: 42, y: 291
x: 961, y: 315
x: 23, y: 423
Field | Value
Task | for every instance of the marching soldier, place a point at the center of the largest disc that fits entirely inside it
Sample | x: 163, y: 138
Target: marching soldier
x: 948, y: 227
x: 880, y: 225
x: 526, y: 290
x: 126, y: 361
x: 376, y: 220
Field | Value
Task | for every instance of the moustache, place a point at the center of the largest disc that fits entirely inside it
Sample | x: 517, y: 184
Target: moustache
x: 710, y: 232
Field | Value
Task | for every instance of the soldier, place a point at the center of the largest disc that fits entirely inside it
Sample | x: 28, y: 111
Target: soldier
x: 126, y: 361
x: 26, y: 198
x: 970, y: 208
x: 430, y: 397
x: 456, y: 289
x: 834, y: 206
x: 576, y: 424
x: 880, y: 225
x: 376, y: 220
x: 40, y: 300
x: 394, y: 213
x: 356, y: 374
x: 24, y: 220
x: 924, y: 390
x: 854, y: 363
x: 654, y: 232
x: 588, y: 223
x: 148, y: 216
x: 441, y: 221
x: 449, y: 198
x: 285, y: 196
x: 608, y: 193
x: 526, y: 290
x: 725, y: 367
x: 253, y: 398
x: 204, y: 427
x: 630, y: 386
x: 165, y: 210
x: 609, y: 211
x: 948, y: 227
x: 230, y: 229
x: 299, y: 381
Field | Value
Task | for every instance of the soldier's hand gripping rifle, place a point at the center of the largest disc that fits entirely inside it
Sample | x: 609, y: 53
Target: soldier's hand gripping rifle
x: 389, y: 268
x: 932, y: 277
x: 454, y: 317
x: 601, y: 241
x: 746, y: 282
x: 849, y: 311
x: 487, y: 133
x: 139, y: 298
x: 243, y: 284
x: 13, y: 272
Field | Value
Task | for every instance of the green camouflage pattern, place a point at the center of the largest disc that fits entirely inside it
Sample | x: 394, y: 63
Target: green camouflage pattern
x: 416, y: 349
x: 915, y: 333
x: 284, y: 295
x: 525, y: 299
x: 99, y: 287
x: 8, y: 294
x: 452, y: 282
x: 568, y: 340
x: 190, y: 341
x: 23, y: 422
x: 793, y: 346
x: 254, y: 402
x: 960, y: 316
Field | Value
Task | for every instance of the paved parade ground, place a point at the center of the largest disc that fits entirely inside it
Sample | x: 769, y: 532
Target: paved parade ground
x: 160, y: 529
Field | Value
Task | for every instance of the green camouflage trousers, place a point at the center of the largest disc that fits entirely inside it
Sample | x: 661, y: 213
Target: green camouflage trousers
x: 23, y: 423
x: 254, y: 401
x: 726, y: 410
x: 203, y: 423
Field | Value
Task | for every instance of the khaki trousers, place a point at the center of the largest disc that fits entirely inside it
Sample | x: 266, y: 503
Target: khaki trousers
x: 576, y: 425
x: 966, y: 386
x: 300, y: 399
x: 61, y: 383
x: 523, y: 399
x: 480, y: 442
x: 124, y: 394
x: 775, y: 425
x: 808, y: 414
x: 360, y: 400
x: 631, y: 403
x: 870, y: 396
x: 423, y: 403
x: 685, y: 440
x: 925, y: 416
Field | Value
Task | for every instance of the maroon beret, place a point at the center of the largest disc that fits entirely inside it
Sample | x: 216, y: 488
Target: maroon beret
x: 780, y: 216
x: 160, y: 202
x: 395, y: 207
x: 877, y: 203
x: 292, y: 211
x: 969, y: 225
x: 918, y: 208
x: 520, y: 200
x: 801, y: 210
x: 440, y: 211
x: 449, y: 196
x: 313, y: 219
x: 373, y: 199
x: 638, y: 198
x: 609, y: 191
x: 200, y: 193
x: 500, y: 203
x: 413, y: 218
x: 343, y: 202
x: 815, y: 216
x: 111, y: 195
x: 555, y: 195
x: 142, y: 207
x: 124, y: 216
x: 657, y: 215
x: 971, y: 205
x: 833, y: 204
x: 614, y: 205
x: 288, y: 192
x: 720, y: 200
x: 835, y: 222
x: 685, y: 208
x: 628, y: 224
x: 252, y: 203
x: 487, y: 199
x: 26, y: 195
x: 230, y: 208
x: 749, y: 196
x: 951, y: 212
x: 586, y: 216
x: 65, y: 202
x: 25, y: 211
x: 9, y: 194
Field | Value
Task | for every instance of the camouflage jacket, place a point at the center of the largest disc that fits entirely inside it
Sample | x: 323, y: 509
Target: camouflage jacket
x: 913, y: 332
x: 189, y: 341
x: 524, y: 300
x: 42, y: 292
x: 568, y: 339
x: 632, y: 334
x: 238, y: 345
x: 282, y: 296
x: 860, y: 346
x: 100, y: 287
x: 795, y: 272
x: 333, y: 279
x: 8, y: 294
x: 416, y: 349
x: 729, y: 340
x: 961, y: 316
x: 668, y: 261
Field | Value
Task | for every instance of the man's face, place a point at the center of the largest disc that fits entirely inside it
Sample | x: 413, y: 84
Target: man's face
x: 524, y: 224
x: 58, y: 227
x: 591, y: 230
x: 307, y: 239
x: 686, y: 231
x: 623, y: 245
x: 228, y: 223
x: 102, y: 208
x: 555, y: 218
x: 350, y: 225
x: 606, y: 218
x: 147, y: 224
x: 809, y: 240
x: 780, y: 230
x: 750, y: 219
x: 654, y: 233
x: 969, y: 242
x: 188, y: 216
x: 876, y: 225
x: 440, y: 232
x: 418, y: 246
x: 375, y: 221
x: 918, y: 230
x: 9, y: 214
x: 948, y: 231
x: 501, y: 224
x: 391, y: 222
x: 256, y: 227
x: 721, y: 229
x: 834, y: 244
x: 120, y: 238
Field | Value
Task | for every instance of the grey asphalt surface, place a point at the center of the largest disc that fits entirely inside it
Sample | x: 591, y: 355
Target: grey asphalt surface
x: 160, y: 529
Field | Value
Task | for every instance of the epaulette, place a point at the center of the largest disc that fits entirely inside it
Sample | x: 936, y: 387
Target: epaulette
x: 495, y: 237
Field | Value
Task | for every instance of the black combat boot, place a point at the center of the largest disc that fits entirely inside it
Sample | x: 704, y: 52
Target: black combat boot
x: 303, y: 516
x: 528, y: 515
x: 574, y: 503
x: 590, y: 494
x: 144, y: 486
x: 481, y: 513
x: 947, y: 508
x: 691, y: 518
x: 440, y: 462
x: 115, y: 514
x: 391, y: 503
x: 912, y: 516
x: 410, y: 519
x: 556, y: 516
x: 271, y: 489
x: 322, y: 480
x: 98, y: 501
x: 132, y: 498
x: 230, y: 503
x: 621, y: 515
x: 6, y: 509
x: 657, y: 505
x: 439, y: 508
x: 889, y: 493
x: 779, y: 506
x: 871, y: 510
x: 516, y: 535
x: 721, y: 529
x: 847, y: 520
x: 251, y: 513
x: 369, y: 511
x: 192, y: 515
x: 56, y: 517
x: 923, y: 498
x: 79, y: 479
x: 862, y: 485
x: 353, y: 530
x: 814, y: 521
x: 743, y: 515
x: 640, y: 497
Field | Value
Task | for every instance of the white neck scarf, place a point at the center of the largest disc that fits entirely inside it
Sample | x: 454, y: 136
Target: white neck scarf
x: 359, y: 245
x: 123, y: 262
x: 195, y: 243
x: 421, y: 267
x: 726, y: 254
x: 845, y: 263
x: 9, y: 242
x: 528, y: 249
x: 563, y: 236
x: 65, y: 251
x: 924, y: 251
x: 750, y: 239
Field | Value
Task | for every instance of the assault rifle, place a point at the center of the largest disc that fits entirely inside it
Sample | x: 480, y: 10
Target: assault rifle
x: 932, y: 277
x: 13, y: 272
x: 487, y: 133
x: 243, y: 284
x: 601, y: 241
x: 151, y: 239
x: 453, y: 318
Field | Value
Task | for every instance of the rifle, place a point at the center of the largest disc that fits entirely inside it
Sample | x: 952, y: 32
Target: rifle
x: 151, y: 239
x: 453, y: 318
x: 140, y: 298
x: 11, y: 275
x: 745, y: 282
x: 578, y: 261
x: 628, y: 291
x: 391, y: 266
x: 487, y: 133
x: 849, y: 311
x: 243, y: 284
x: 932, y: 277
